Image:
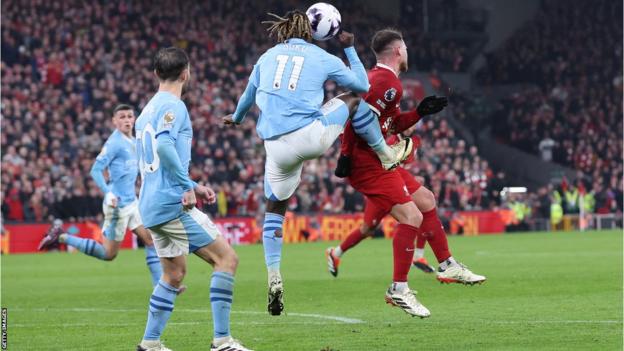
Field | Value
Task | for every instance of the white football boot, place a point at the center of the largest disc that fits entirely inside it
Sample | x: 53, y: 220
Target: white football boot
x: 458, y: 273
x: 406, y: 300
x: 152, y: 345
x: 400, y: 152
x: 230, y: 344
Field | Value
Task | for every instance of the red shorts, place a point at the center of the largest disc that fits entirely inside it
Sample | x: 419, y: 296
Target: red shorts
x: 387, y: 190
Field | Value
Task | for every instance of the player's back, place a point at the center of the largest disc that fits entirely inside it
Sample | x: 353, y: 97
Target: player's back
x: 122, y: 168
x: 290, y: 78
x: 160, y: 196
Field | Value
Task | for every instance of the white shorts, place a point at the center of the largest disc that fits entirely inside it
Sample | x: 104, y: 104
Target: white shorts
x: 181, y: 236
x: 116, y: 220
x: 285, y: 154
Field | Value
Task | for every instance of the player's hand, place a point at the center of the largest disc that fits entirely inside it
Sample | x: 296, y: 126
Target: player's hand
x: 110, y: 200
x: 206, y: 193
x: 228, y: 120
x: 346, y: 39
x: 343, y: 168
x: 189, y: 200
x: 431, y: 105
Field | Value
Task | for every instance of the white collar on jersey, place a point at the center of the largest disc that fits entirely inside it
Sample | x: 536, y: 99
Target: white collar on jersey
x: 381, y: 65
x: 128, y: 139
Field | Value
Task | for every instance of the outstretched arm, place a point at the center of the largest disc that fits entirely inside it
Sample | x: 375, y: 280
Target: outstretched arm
x: 355, y: 78
x: 247, y: 99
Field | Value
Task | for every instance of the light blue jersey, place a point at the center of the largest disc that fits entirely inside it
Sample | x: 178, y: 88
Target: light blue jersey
x: 164, y: 134
x: 287, y: 85
x: 119, y: 156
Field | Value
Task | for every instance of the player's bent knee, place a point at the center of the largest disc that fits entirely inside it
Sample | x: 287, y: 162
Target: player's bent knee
x: 230, y: 262
x: 429, y: 198
x: 367, y: 230
x: 175, y: 277
x: 352, y: 100
x: 418, y: 218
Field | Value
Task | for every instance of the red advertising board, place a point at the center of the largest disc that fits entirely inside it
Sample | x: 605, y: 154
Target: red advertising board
x: 24, y: 238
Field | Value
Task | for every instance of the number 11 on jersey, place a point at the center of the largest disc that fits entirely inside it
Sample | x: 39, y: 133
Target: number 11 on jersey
x: 294, y: 75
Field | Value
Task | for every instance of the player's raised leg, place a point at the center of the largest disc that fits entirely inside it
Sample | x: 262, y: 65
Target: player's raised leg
x: 449, y: 271
x: 365, y: 124
x: 399, y: 293
x: 115, y: 223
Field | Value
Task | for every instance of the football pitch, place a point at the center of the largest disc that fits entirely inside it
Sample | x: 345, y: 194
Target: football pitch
x: 546, y: 291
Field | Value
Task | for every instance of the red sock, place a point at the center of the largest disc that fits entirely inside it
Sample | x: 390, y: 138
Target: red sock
x: 420, y: 241
x: 353, y: 239
x: 403, y: 249
x: 433, y: 231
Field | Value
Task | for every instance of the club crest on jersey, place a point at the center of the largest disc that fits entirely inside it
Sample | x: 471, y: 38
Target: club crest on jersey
x: 168, y: 119
x: 390, y: 94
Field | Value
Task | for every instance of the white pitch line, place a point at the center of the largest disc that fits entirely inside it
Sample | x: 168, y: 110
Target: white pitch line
x: 182, y: 310
x: 82, y: 325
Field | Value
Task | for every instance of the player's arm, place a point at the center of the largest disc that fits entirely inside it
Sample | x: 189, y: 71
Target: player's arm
x: 355, y: 78
x: 169, y: 125
x: 430, y: 105
x: 249, y: 95
x: 101, y: 163
x: 170, y: 160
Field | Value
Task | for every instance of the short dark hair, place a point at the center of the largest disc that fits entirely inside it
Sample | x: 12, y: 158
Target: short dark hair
x: 383, y: 38
x: 122, y: 107
x: 170, y: 62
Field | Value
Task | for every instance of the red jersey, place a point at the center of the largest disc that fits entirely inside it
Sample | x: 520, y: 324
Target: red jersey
x: 384, y: 99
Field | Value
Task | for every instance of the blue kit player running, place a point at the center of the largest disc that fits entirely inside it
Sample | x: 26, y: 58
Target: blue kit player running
x: 287, y: 85
x: 120, y: 205
x: 167, y: 204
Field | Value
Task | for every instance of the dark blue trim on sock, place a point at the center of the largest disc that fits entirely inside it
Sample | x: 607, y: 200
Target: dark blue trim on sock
x: 90, y: 247
x: 225, y: 299
x: 364, y: 124
x: 151, y: 262
x: 221, y: 291
x: 367, y: 114
x: 168, y: 288
x: 160, y: 299
x: 162, y: 308
x: 277, y: 221
x: 270, y: 228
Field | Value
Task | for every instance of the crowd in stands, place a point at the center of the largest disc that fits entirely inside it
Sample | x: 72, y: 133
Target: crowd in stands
x: 571, y: 113
x: 66, y: 64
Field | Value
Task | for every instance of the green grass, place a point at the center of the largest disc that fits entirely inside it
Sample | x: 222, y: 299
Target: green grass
x: 544, y: 291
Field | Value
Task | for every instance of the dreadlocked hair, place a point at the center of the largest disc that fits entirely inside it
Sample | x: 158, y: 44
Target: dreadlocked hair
x: 294, y: 24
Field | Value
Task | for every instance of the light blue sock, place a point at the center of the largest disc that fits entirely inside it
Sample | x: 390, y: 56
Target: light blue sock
x: 366, y: 125
x: 160, y: 308
x: 221, y: 287
x: 272, y: 244
x: 153, y: 263
x: 87, y: 246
